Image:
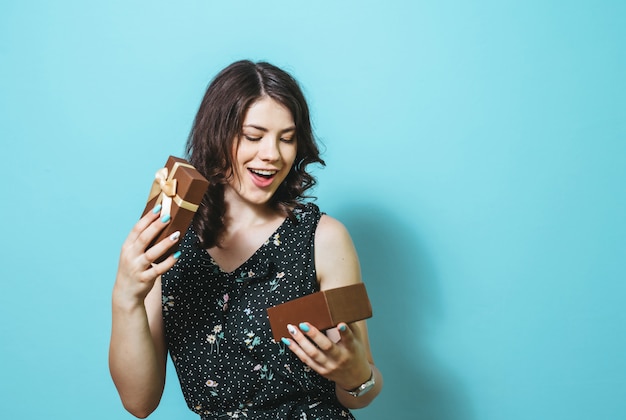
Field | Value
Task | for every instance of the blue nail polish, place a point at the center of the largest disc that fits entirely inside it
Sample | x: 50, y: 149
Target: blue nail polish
x: 286, y: 341
x: 342, y: 327
x: 156, y: 209
x: 177, y: 255
x: 165, y: 218
x: 304, y: 327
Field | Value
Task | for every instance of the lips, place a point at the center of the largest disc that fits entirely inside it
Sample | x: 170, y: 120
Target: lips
x: 265, y: 173
x: 262, y: 178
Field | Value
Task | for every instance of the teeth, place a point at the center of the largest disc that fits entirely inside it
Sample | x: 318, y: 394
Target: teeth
x: 263, y: 172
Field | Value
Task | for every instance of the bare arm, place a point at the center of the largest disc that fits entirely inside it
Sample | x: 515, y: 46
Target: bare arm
x: 137, y: 352
x: 348, y: 362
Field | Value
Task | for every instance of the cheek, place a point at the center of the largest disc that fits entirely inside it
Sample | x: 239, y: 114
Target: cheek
x: 242, y: 154
x: 290, y: 153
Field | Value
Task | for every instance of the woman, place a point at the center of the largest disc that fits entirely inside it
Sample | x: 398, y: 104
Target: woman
x: 253, y: 244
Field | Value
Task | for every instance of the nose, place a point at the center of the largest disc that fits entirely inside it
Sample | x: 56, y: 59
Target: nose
x: 268, y: 149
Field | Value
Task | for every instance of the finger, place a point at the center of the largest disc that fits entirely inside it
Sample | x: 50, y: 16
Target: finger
x: 143, y: 223
x: 333, y: 335
x: 295, y: 347
x: 159, y: 269
x: 320, y: 339
x: 318, y: 350
x: 152, y: 269
x: 157, y: 250
x: 151, y: 232
x: 347, y: 337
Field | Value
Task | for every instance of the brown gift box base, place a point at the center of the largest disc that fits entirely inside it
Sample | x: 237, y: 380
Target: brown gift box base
x: 191, y: 186
x: 323, y: 309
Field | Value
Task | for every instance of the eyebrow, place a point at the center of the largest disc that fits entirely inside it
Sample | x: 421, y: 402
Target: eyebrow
x: 286, y: 130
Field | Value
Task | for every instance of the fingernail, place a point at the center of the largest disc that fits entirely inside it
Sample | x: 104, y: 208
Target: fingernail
x: 156, y: 209
x: 292, y: 330
x: 174, y: 236
x: 286, y: 341
x: 165, y: 218
x: 304, y: 327
x: 342, y: 327
x: 177, y: 255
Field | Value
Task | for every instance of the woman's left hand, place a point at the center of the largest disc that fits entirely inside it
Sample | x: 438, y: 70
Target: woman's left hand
x: 344, y: 362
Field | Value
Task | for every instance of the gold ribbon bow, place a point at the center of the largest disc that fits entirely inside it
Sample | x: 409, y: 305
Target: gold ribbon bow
x: 164, y: 185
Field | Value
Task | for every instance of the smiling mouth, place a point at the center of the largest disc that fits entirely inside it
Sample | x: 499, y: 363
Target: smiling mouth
x: 263, y: 173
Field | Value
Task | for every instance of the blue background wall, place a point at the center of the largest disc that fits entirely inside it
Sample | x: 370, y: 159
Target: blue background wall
x: 475, y: 150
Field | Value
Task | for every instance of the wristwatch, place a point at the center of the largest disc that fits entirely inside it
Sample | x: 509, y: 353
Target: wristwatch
x: 364, y: 387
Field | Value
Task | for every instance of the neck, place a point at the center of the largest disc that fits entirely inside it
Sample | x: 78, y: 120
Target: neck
x: 241, y: 214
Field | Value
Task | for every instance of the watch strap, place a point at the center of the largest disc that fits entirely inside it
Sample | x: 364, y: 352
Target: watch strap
x: 364, y: 387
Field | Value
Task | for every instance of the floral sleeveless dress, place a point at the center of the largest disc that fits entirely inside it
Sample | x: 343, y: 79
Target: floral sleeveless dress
x: 218, y: 333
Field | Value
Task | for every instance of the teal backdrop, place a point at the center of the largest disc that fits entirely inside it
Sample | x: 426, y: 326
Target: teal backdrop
x: 476, y: 151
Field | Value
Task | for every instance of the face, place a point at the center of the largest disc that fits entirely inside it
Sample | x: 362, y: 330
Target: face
x: 265, y: 153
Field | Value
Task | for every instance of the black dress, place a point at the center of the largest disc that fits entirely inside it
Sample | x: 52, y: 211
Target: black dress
x: 218, y: 334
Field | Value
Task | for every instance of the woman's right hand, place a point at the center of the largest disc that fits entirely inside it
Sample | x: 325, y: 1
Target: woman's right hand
x: 137, y: 352
x: 137, y: 271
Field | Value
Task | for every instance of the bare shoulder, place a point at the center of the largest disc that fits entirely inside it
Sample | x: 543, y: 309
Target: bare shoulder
x: 336, y: 259
x: 330, y: 229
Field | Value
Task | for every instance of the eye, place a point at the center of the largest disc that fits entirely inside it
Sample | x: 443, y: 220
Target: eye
x: 288, y: 140
x: 252, y: 138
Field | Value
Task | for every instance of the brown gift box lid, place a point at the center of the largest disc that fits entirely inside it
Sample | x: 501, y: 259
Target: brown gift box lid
x: 323, y: 309
x: 180, y: 184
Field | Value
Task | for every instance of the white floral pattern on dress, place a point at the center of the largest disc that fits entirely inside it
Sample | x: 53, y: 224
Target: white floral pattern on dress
x: 219, y: 337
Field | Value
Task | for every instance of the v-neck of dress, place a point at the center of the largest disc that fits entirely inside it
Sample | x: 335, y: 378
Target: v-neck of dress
x: 253, y: 255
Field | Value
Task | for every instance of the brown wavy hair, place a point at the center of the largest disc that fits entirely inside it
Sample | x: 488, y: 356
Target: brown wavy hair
x: 218, y: 124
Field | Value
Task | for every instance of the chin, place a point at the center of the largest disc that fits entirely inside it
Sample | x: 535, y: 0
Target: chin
x: 260, y: 199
